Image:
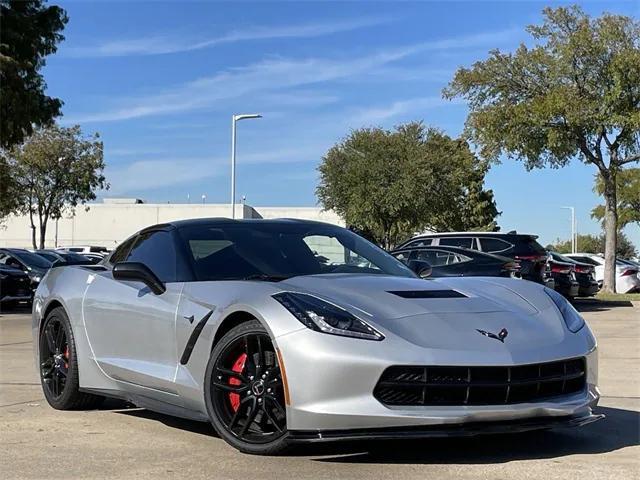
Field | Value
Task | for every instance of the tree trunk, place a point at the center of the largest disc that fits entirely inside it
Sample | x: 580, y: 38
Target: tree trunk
x: 44, y: 219
x: 33, y: 229
x: 43, y: 233
x: 610, y: 231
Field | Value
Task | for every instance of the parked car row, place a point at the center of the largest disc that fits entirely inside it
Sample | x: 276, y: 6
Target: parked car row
x: 21, y: 270
x: 516, y: 255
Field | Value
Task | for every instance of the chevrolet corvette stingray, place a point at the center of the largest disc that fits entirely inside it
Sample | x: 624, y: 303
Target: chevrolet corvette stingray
x: 285, y: 331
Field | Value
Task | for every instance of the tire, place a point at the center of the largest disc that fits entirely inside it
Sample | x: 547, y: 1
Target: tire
x: 69, y: 397
x: 266, y: 433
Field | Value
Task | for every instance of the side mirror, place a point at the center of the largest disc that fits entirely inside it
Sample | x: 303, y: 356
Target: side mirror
x: 420, y: 268
x: 136, y: 271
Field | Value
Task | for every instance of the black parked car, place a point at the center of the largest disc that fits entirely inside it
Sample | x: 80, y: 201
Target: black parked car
x: 15, y: 286
x: 33, y: 265
x: 584, y: 274
x: 523, y: 248
x: 59, y: 257
x: 459, y: 262
x: 564, y: 276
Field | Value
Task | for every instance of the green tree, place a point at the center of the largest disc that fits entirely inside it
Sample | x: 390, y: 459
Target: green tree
x: 628, y: 186
x: 575, y: 94
x: 9, y: 192
x: 30, y: 31
x: 56, y: 168
x: 393, y: 183
x: 595, y: 244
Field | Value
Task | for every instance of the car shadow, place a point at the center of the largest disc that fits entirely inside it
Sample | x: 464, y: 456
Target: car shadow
x: 619, y: 429
x: 593, y: 305
x: 123, y: 408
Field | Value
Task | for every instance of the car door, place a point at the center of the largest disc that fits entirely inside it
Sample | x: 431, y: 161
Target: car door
x: 131, y: 329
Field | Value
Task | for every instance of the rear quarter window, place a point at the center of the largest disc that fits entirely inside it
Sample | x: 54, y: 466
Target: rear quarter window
x: 525, y: 245
x: 494, y: 245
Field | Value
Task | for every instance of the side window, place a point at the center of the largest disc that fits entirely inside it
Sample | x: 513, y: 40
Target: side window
x: 121, y: 252
x: 464, y: 242
x: 329, y: 251
x: 9, y: 261
x: 440, y: 258
x: 403, y: 256
x: 494, y: 245
x: 423, y: 242
x: 157, y: 251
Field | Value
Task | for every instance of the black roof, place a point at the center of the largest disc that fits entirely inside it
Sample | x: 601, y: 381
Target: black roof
x: 475, y: 234
x: 229, y: 221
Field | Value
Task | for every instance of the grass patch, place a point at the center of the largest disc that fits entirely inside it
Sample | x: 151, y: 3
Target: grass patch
x: 613, y: 297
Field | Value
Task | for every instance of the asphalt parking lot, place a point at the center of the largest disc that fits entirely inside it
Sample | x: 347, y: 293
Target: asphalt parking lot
x: 120, y: 441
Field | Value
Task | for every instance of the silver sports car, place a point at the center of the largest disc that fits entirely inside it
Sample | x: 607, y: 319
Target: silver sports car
x: 284, y: 331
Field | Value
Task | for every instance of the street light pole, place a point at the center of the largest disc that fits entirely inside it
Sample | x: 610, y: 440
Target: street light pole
x: 574, y: 237
x: 234, y: 119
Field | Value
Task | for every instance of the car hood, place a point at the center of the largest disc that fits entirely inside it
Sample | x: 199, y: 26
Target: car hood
x: 387, y: 297
x: 438, y: 319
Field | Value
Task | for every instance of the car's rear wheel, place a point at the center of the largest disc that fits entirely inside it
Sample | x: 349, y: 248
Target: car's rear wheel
x: 244, y: 392
x: 59, y: 365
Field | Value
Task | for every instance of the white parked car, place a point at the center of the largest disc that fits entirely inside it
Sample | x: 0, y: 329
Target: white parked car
x: 627, y: 276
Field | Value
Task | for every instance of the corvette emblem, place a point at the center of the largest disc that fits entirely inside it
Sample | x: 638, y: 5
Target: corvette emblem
x: 502, y: 334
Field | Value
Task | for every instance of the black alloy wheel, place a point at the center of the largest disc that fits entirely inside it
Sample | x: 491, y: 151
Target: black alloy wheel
x: 245, y: 392
x: 59, y: 365
x: 54, y: 357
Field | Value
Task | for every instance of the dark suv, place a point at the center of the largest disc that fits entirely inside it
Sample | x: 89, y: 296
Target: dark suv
x: 523, y: 248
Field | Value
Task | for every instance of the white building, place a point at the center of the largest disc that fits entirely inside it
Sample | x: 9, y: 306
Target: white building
x: 108, y: 223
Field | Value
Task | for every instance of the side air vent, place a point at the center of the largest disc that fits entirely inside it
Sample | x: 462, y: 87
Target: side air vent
x: 429, y: 294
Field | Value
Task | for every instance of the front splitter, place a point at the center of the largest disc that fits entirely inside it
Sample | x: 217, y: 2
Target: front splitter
x: 438, y: 431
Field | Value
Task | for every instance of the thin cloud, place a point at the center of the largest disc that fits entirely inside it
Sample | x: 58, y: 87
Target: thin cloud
x: 151, y: 174
x: 161, y: 45
x: 401, y: 107
x: 271, y: 75
x: 268, y: 75
x: 147, y: 175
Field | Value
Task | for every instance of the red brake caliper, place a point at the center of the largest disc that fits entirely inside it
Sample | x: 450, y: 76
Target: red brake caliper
x: 66, y: 356
x: 238, y: 367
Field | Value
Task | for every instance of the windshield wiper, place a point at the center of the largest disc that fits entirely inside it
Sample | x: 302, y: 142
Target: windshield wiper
x: 265, y: 277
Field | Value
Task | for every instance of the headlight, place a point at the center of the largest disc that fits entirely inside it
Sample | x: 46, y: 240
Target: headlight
x: 36, y: 278
x: 571, y: 316
x: 323, y: 316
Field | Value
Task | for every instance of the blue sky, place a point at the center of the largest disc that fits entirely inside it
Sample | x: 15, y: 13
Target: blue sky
x: 160, y: 80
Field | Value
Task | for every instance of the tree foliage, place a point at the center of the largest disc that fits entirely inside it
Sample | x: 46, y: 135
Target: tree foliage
x: 574, y: 94
x: 56, y: 169
x: 393, y: 183
x: 628, y: 194
x: 595, y: 244
x: 30, y: 31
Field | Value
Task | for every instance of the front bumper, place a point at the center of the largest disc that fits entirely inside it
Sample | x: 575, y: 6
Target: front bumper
x: 331, y: 381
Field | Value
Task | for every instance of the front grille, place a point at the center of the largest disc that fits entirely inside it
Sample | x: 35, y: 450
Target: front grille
x: 443, y: 385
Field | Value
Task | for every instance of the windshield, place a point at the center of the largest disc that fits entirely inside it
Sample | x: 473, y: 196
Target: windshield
x: 281, y: 250
x: 562, y: 258
x: 31, y: 259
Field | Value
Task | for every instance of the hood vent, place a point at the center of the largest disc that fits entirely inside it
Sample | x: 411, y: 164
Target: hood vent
x: 429, y: 294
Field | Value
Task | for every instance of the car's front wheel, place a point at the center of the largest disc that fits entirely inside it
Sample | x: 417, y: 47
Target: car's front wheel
x: 59, y: 365
x: 244, y: 392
